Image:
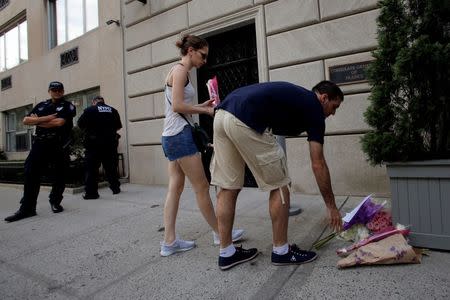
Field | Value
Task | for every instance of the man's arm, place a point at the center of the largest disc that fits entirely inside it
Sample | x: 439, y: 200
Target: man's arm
x: 322, y: 174
x: 58, y: 122
x: 33, y: 119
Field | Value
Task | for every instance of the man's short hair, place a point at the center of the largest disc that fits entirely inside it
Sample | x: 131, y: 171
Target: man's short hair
x: 55, y: 85
x: 329, y: 88
x: 98, y: 98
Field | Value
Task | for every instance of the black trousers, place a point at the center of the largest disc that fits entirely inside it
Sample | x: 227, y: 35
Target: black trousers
x: 42, y: 155
x: 95, y: 156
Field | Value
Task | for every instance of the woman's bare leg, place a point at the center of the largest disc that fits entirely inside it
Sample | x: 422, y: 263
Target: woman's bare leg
x: 193, y: 168
x: 176, y: 186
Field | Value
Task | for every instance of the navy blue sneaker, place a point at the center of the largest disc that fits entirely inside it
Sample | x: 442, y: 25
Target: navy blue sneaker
x: 295, y: 256
x: 240, y: 256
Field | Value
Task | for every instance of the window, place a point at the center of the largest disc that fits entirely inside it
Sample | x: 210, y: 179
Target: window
x: 13, y: 45
x: 81, y: 100
x: 18, y: 135
x: 69, y: 19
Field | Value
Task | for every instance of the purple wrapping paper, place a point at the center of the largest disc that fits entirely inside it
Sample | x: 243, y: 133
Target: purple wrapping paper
x: 364, y: 214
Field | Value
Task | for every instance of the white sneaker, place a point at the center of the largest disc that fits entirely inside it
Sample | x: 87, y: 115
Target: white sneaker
x: 178, y: 246
x: 236, y: 235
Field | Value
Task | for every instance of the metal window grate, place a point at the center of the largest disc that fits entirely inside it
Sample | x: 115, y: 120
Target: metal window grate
x: 6, y: 83
x: 69, y: 57
x: 3, y: 4
x: 233, y: 59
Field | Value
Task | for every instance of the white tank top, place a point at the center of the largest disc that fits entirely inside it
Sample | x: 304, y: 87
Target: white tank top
x: 174, y: 123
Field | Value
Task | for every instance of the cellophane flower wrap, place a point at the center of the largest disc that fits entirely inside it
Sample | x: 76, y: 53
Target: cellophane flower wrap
x: 362, y: 214
x: 213, y: 90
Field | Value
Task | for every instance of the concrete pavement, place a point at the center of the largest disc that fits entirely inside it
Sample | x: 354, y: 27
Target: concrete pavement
x: 109, y: 249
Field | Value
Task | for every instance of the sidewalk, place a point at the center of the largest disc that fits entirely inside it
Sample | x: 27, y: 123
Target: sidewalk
x: 109, y: 249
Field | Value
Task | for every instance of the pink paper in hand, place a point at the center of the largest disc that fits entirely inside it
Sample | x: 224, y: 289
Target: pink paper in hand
x: 213, y: 90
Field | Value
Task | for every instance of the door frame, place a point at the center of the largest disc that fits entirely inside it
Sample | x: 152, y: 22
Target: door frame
x: 252, y: 15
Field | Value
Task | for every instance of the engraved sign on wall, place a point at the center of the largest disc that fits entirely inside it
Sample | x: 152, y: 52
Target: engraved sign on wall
x: 349, y: 73
x: 3, y: 4
x: 6, y: 83
x: 69, y: 57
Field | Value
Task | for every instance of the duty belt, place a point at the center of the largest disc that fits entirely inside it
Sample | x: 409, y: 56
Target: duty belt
x: 47, y: 137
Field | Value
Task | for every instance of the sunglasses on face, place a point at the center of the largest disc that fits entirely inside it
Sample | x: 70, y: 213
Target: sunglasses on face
x: 204, y: 55
x: 57, y: 90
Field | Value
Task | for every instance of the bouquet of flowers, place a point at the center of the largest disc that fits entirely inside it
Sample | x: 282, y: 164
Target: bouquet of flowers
x: 363, y: 213
x: 382, y: 221
x: 213, y: 90
x: 373, y: 238
x: 393, y: 249
x: 360, y: 215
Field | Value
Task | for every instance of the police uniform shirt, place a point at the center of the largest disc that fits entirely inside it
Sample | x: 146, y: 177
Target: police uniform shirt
x: 100, y: 121
x: 62, y: 108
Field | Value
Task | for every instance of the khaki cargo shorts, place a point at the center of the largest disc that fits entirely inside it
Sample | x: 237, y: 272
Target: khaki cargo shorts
x: 235, y: 144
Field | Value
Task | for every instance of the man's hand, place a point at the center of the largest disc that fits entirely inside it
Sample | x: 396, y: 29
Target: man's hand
x: 335, y: 219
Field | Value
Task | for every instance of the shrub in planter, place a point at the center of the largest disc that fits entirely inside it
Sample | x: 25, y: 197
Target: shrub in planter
x: 409, y: 113
x: 410, y: 105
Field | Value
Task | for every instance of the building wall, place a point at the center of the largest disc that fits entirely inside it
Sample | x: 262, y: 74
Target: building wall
x: 100, y: 62
x: 298, y: 40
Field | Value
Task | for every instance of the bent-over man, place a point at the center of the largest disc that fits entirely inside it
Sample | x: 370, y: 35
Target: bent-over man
x: 244, y: 127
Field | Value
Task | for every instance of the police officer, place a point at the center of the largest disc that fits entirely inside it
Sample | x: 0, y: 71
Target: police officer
x: 53, y: 121
x: 100, y: 123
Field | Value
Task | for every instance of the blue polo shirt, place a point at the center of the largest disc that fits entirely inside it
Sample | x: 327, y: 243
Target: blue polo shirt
x: 283, y: 107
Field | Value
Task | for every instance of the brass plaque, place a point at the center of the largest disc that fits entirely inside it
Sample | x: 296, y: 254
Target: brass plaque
x: 349, y: 73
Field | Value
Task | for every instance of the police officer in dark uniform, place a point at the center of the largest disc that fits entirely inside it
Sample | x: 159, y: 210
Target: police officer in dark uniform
x: 53, y: 121
x: 100, y: 123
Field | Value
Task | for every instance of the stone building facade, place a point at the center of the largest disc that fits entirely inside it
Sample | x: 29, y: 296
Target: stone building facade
x: 65, y: 40
x: 125, y: 53
x: 300, y: 41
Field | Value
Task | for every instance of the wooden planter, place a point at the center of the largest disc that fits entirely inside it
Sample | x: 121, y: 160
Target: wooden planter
x: 421, y: 198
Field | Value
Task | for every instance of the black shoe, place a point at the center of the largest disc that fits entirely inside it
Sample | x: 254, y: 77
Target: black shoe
x: 295, y: 256
x: 90, y: 197
x: 19, y: 215
x: 240, y: 256
x: 56, y: 208
x: 115, y: 190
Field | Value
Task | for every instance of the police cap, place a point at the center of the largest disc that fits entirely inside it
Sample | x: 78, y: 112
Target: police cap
x: 55, y: 85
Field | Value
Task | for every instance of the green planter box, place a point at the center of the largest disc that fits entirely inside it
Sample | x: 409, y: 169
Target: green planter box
x: 421, y: 198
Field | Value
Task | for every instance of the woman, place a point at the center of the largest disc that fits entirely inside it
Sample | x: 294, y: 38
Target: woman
x: 179, y: 146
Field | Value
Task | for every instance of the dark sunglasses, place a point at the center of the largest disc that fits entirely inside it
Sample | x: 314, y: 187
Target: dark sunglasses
x: 204, y: 55
x: 57, y: 90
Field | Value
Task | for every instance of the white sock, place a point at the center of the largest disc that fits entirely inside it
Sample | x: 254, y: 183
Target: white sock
x: 227, y: 251
x: 282, y: 250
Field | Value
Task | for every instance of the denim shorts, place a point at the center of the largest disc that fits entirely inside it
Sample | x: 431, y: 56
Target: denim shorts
x: 179, y: 145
